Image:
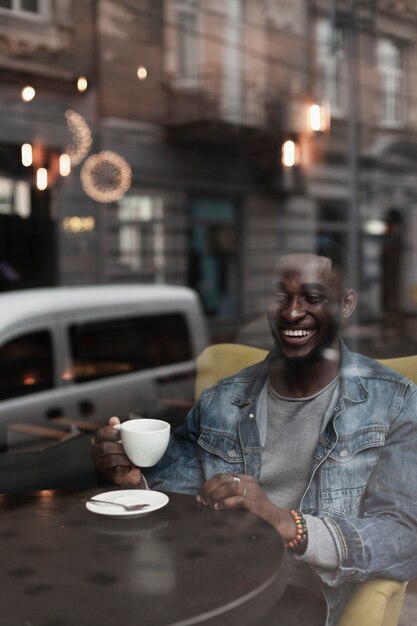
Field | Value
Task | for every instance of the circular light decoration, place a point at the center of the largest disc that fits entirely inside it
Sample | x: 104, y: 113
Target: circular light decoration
x: 106, y: 176
x: 81, y: 137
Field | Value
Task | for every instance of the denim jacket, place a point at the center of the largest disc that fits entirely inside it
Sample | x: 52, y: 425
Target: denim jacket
x: 363, y: 480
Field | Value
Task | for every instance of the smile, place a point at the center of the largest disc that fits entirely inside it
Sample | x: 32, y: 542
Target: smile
x: 296, y: 333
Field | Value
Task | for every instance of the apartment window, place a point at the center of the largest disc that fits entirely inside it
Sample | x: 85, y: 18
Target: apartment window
x: 28, y: 7
x: 331, y: 66
x: 186, y: 40
x: 14, y: 197
x: 391, y: 71
x: 141, y: 234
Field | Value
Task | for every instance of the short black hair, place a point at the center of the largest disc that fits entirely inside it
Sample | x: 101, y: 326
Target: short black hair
x: 327, y: 248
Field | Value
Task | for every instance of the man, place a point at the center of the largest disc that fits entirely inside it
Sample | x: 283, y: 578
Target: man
x: 319, y: 442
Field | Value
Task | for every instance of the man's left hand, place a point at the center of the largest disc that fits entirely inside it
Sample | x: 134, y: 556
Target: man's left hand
x: 241, y: 491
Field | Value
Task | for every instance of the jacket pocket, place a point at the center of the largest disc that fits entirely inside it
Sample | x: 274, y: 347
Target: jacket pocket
x: 346, y: 471
x: 220, y: 452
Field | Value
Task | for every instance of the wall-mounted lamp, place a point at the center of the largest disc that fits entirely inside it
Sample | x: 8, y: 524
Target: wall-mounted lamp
x: 27, y: 154
x: 318, y: 118
x: 46, y: 164
x: 290, y: 153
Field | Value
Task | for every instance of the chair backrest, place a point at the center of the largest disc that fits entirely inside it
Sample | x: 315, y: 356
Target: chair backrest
x: 405, y: 365
x: 224, y: 359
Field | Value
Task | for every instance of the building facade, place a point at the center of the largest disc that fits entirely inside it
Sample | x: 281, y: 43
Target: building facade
x: 176, y: 144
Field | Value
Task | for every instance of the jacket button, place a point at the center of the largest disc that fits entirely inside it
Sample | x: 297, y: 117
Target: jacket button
x: 344, y: 453
x: 252, y: 415
x: 231, y: 454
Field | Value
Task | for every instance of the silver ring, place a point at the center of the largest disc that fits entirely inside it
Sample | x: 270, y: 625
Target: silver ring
x: 245, y: 491
x: 236, y: 479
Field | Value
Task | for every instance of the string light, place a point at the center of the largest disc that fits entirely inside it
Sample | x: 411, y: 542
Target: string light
x: 106, y: 176
x: 81, y: 137
x: 142, y: 72
x: 82, y: 84
x: 28, y: 93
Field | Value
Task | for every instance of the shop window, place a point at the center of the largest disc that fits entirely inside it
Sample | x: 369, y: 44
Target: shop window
x: 14, y: 197
x: 141, y: 234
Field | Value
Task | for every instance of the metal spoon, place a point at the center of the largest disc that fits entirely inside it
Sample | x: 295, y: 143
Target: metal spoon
x: 126, y: 507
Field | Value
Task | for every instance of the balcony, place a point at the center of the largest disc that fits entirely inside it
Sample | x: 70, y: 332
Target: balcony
x: 211, y: 108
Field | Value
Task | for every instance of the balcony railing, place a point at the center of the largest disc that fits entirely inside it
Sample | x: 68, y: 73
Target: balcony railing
x: 212, y: 97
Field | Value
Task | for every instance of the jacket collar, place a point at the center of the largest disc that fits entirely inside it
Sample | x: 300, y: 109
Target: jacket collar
x: 351, y: 385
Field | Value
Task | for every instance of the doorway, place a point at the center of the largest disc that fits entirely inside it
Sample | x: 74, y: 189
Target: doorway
x: 213, y: 255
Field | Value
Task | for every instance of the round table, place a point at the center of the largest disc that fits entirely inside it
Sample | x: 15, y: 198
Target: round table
x: 184, y: 564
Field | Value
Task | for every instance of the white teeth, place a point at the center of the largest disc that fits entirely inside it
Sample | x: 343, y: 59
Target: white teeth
x: 296, y: 333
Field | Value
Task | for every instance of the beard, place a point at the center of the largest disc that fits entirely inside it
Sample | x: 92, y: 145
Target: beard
x: 317, y: 354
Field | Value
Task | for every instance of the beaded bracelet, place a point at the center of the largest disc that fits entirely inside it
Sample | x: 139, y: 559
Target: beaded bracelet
x: 299, y: 543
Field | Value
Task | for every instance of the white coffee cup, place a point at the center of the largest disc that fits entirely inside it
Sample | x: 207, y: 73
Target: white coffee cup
x: 144, y: 440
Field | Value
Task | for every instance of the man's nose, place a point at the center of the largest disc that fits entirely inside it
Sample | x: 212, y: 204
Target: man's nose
x: 294, y: 309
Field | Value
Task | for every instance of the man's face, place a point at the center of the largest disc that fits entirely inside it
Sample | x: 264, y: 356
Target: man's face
x: 308, y: 301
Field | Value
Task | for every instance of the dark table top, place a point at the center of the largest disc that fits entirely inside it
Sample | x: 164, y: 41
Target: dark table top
x: 62, y: 565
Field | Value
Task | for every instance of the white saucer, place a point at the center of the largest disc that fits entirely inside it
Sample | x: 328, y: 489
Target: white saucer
x: 155, y: 499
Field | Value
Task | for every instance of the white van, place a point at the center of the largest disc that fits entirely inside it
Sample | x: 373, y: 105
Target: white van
x: 95, y: 351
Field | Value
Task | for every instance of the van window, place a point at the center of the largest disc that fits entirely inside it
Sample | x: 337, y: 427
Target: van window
x: 108, y: 348
x: 26, y: 365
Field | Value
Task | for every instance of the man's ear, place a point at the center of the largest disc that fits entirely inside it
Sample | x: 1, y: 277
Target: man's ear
x: 349, y: 302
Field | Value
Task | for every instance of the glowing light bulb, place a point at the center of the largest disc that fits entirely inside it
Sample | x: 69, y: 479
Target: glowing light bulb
x: 27, y: 155
x: 42, y: 178
x: 64, y: 164
x: 289, y: 153
x: 82, y: 84
x: 28, y: 93
x: 315, y: 117
x: 142, y: 72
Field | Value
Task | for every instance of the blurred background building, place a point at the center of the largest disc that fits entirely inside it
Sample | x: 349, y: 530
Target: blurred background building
x: 198, y: 136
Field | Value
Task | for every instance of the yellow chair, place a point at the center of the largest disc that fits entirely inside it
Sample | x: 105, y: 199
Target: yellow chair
x: 375, y: 602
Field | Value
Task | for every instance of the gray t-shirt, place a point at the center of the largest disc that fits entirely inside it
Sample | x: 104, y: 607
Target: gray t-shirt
x: 289, y: 437
x: 293, y: 429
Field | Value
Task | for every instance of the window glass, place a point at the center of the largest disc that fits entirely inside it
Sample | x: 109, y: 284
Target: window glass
x: 390, y: 63
x: 30, y: 5
x: 187, y: 41
x: 37, y: 7
x: 26, y: 365
x: 15, y: 198
x: 331, y: 65
x: 108, y: 348
x: 141, y: 234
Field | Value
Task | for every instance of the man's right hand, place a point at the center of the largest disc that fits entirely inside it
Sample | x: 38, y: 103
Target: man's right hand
x: 110, y: 459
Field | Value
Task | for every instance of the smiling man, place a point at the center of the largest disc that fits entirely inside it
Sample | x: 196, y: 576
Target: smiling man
x: 319, y: 442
